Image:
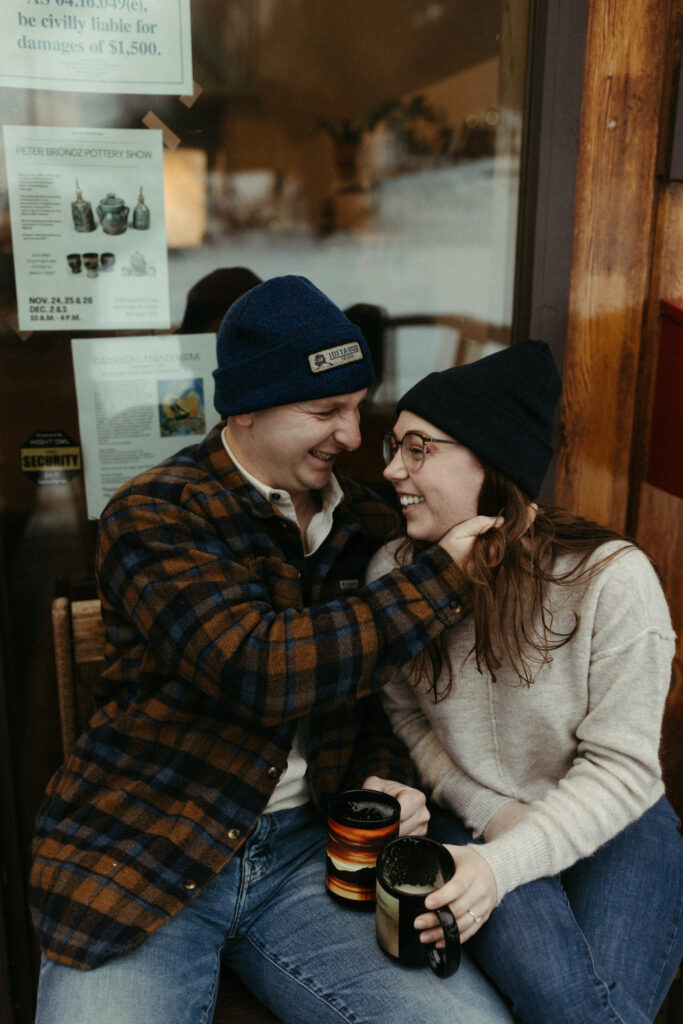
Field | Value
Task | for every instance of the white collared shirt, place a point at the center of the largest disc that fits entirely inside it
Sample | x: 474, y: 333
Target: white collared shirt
x: 291, y: 790
x: 321, y: 523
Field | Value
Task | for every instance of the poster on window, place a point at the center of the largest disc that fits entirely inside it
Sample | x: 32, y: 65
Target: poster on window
x: 139, y: 401
x: 111, y: 46
x: 88, y: 228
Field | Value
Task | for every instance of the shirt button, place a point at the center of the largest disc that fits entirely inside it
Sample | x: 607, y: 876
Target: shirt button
x: 189, y: 884
x: 457, y: 609
x: 273, y: 772
x: 234, y: 833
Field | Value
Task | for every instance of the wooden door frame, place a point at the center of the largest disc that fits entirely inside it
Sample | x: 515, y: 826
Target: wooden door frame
x: 624, y: 85
x: 546, y: 216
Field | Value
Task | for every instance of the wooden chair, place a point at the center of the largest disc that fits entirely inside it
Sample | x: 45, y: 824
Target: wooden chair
x: 78, y: 633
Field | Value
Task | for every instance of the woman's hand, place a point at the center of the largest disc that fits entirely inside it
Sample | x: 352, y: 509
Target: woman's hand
x: 414, y: 811
x: 507, y: 815
x: 471, y: 894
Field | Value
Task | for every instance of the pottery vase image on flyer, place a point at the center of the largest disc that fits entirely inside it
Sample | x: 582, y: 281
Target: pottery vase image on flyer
x: 113, y: 214
x: 81, y: 212
x: 141, y: 214
x: 138, y: 264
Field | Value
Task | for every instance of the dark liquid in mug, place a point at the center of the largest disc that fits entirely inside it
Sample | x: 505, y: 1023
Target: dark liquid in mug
x: 363, y: 811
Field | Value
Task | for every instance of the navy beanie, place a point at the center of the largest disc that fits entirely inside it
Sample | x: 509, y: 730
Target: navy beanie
x: 501, y: 407
x: 283, y: 342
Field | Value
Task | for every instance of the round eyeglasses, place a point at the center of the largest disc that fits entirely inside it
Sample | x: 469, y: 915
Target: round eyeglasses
x: 413, y: 448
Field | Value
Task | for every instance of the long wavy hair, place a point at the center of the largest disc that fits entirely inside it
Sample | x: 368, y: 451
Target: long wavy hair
x: 509, y: 570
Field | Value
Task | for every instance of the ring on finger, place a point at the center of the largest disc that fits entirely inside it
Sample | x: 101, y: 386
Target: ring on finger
x: 477, y: 920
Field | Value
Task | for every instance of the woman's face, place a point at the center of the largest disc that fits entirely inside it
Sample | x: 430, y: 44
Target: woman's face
x: 444, y: 491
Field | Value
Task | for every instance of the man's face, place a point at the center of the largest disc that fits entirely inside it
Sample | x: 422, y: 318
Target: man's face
x: 294, y: 447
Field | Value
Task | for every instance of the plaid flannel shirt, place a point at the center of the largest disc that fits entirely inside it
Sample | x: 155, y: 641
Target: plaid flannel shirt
x: 214, y: 654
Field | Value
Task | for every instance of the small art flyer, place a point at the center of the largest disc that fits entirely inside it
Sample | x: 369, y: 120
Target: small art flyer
x: 139, y: 400
x: 88, y: 228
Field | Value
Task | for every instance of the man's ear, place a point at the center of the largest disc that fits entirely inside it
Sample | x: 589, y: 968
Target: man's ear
x: 243, y: 419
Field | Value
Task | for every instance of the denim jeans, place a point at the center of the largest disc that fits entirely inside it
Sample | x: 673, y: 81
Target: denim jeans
x: 268, y: 915
x: 600, y: 942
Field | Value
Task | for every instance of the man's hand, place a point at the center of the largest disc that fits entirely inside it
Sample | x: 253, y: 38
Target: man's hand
x: 459, y: 540
x: 414, y: 812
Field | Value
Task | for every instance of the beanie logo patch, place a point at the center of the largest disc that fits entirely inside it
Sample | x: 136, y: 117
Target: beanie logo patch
x: 333, y: 358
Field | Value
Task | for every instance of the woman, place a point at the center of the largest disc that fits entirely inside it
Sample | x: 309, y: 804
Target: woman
x: 536, y: 723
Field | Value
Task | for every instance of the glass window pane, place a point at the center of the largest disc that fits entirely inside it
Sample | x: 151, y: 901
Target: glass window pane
x: 372, y: 147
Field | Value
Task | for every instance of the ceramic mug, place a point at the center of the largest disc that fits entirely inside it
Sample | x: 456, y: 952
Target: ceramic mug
x: 360, y: 822
x: 408, y: 869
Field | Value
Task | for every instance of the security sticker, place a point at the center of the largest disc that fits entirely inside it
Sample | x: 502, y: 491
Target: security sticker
x: 50, y: 458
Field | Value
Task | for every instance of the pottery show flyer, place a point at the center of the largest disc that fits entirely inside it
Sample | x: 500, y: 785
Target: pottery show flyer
x: 112, y: 46
x: 88, y: 228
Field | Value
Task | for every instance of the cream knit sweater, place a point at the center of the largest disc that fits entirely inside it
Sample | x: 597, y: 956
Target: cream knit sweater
x: 580, y: 745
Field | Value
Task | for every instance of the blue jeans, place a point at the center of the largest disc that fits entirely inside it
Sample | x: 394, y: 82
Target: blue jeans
x: 600, y: 942
x: 269, y: 917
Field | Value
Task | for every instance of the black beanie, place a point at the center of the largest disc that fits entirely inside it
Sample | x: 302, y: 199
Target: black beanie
x: 283, y: 342
x: 501, y: 407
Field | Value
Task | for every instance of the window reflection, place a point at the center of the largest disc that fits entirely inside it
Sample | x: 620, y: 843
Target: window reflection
x: 373, y: 147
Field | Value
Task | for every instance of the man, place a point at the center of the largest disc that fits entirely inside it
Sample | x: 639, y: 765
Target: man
x: 244, y: 662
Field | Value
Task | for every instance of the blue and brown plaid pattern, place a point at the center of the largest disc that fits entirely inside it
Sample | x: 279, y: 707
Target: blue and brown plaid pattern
x: 212, y: 660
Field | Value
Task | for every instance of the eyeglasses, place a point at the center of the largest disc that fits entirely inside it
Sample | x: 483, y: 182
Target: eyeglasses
x: 413, y: 448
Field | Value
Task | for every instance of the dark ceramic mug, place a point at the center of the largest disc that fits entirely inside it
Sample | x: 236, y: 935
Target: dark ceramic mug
x: 360, y: 822
x: 408, y: 869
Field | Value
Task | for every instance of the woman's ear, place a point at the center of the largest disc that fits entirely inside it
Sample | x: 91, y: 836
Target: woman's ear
x: 532, y: 512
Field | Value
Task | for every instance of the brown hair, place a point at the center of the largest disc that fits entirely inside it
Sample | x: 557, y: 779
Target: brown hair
x: 509, y: 570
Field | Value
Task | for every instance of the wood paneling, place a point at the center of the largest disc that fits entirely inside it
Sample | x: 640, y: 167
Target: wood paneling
x: 660, y: 531
x: 657, y: 517
x: 671, y: 257
x: 627, y: 255
x: 624, y: 78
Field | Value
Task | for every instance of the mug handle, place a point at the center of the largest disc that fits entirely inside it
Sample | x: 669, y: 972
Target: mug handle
x: 445, y: 962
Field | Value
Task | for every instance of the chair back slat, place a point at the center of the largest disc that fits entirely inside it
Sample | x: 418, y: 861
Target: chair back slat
x: 78, y: 634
